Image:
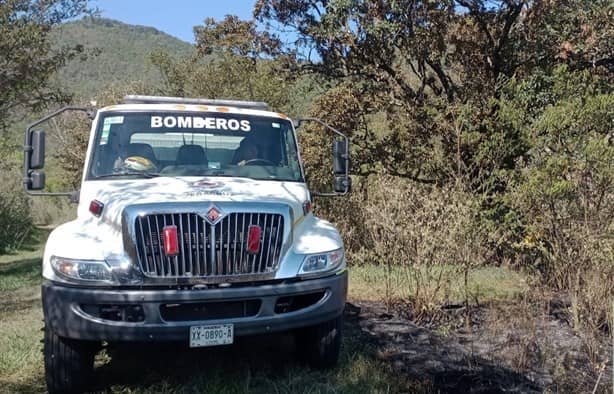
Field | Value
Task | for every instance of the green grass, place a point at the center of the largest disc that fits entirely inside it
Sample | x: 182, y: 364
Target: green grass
x: 485, y: 284
x: 22, y: 269
x: 30, y: 249
x: 26, y: 272
x: 254, y: 365
x: 258, y: 364
x: 21, y: 363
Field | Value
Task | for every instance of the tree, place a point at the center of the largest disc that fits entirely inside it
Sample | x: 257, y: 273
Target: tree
x: 564, y: 191
x: 423, y: 63
x: 233, y: 59
x: 412, y: 61
x: 415, y: 48
x: 27, y: 57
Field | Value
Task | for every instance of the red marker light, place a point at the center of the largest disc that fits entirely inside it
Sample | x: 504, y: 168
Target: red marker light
x: 306, y: 207
x: 171, y: 242
x: 253, y: 239
x: 96, y: 208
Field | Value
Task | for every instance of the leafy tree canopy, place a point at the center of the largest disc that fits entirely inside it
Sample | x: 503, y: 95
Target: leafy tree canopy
x: 233, y: 59
x: 26, y: 53
x: 436, y: 70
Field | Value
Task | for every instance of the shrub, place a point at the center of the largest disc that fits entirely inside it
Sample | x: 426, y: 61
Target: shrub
x: 429, y: 234
x: 432, y: 232
x: 564, y: 191
x: 15, y: 221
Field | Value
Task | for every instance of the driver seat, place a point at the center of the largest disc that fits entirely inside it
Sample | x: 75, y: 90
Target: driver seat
x: 241, y: 154
x: 191, y: 155
x: 140, y: 149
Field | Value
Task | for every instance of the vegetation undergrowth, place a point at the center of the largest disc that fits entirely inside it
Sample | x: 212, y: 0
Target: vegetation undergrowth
x: 259, y: 364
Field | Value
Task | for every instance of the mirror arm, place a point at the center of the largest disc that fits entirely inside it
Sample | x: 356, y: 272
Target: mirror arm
x: 27, y: 148
x: 346, y: 156
x: 320, y: 194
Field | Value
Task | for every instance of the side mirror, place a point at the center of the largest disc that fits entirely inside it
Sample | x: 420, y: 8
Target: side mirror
x: 37, y: 180
x: 34, y: 154
x: 37, y: 156
x: 343, y: 184
x: 340, y: 157
x: 341, y: 163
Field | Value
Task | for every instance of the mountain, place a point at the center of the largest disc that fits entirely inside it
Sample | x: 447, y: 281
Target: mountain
x: 118, y: 52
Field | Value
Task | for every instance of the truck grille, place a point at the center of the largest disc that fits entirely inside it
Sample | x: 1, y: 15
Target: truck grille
x: 208, y: 250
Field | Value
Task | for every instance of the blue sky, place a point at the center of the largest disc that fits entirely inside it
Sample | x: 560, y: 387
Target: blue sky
x: 175, y: 17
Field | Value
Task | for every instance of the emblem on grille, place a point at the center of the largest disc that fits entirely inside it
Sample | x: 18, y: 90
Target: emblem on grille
x: 213, y: 215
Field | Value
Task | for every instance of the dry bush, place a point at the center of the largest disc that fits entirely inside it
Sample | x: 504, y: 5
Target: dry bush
x: 590, y: 281
x: 429, y: 234
x: 432, y: 232
x: 338, y: 107
x: 564, y: 193
x: 513, y: 335
x: 572, y: 243
x: 51, y: 211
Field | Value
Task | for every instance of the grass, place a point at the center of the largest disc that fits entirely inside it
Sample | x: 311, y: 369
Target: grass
x: 254, y: 365
x: 32, y: 248
x: 263, y: 364
x: 21, y: 363
x: 258, y: 364
x: 485, y: 284
x: 21, y: 269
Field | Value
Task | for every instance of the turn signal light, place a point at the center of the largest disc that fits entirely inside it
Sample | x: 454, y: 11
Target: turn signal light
x: 171, y: 242
x: 253, y: 239
x: 96, y: 208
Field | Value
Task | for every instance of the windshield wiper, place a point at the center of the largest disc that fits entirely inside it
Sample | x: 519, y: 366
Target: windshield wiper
x: 129, y: 173
x: 223, y: 174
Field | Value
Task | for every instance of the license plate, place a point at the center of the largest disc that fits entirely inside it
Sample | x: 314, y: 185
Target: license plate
x: 220, y: 334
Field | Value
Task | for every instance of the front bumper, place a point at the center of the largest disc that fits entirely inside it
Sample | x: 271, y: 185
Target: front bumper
x: 66, y: 314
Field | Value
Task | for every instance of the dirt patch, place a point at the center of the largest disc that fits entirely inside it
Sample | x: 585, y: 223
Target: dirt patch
x: 494, y: 349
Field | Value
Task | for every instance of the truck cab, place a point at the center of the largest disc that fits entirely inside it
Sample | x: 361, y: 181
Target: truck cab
x: 193, y: 225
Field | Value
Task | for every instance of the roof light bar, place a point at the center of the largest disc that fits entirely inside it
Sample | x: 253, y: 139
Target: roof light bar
x: 136, y: 99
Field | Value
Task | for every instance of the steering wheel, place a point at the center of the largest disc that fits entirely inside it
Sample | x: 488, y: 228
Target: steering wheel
x: 261, y: 161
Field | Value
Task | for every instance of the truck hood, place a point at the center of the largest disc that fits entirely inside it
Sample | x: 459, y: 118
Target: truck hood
x: 101, y: 238
x: 118, y: 194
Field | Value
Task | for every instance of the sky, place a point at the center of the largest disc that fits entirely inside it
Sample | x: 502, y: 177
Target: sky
x: 175, y: 17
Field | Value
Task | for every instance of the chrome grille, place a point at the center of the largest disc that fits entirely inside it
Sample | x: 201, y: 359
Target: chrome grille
x: 208, y: 250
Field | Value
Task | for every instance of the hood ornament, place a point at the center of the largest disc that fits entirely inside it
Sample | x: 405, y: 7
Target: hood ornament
x: 213, y: 215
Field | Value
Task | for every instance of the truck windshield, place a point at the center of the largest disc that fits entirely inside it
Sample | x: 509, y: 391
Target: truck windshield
x: 146, y: 144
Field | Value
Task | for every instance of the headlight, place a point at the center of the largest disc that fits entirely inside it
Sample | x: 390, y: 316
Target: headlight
x: 322, y: 262
x: 82, y: 270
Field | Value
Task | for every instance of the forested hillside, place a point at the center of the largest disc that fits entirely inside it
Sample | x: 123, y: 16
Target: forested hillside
x: 115, y: 52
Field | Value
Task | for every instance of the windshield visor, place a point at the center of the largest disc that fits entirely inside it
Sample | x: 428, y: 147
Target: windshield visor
x: 194, y: 144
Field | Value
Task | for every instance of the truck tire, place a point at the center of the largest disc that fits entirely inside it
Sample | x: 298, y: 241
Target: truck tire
x: 320, y: 345
x: 69, y: 363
